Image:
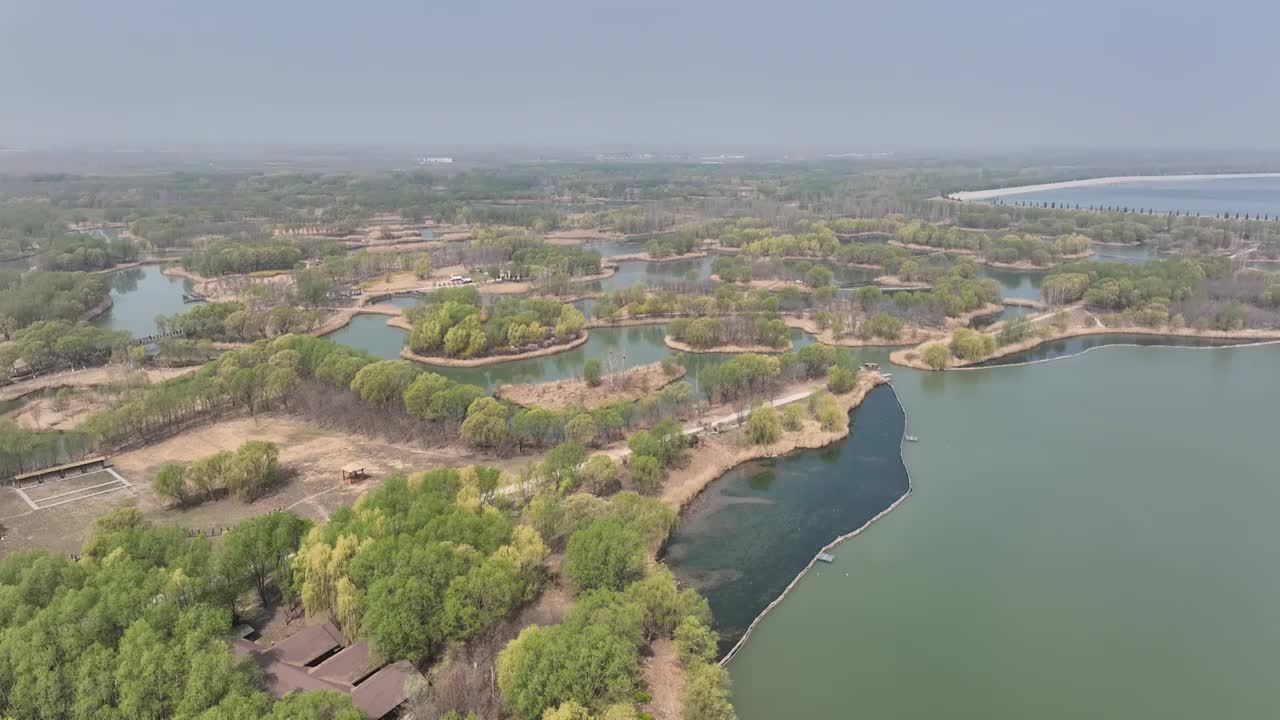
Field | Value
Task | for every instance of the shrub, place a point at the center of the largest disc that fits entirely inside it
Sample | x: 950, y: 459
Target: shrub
x: 591, y: 372
x: 763, y: 426
x: 972, y: 345
x: 600, y: 475
x: 792, y: 417
x: 841, y: 380
x: 937, y: 356
x: 646, y: 472
x: 605, y: 554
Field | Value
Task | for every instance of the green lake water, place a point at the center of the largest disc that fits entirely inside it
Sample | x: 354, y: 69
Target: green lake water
x: 1092, y: 537
x: 631, y: 346
x: 138, y: 295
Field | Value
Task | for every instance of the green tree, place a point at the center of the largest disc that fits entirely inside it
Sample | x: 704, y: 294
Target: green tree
x: 591, y: 372
x: 646, y: 472
x: 605, y: 554
x: 841, y: 380
x: 763, y: 426
x: 255, y: 551
x: 937, y: 356
x: 171, y: 483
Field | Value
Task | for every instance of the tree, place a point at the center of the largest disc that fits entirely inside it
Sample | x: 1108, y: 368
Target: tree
x: 695, y: 641
x: 591, y: 372
x: 171, y: 483
x: 486, y: 424
x: 792, y: 417
x: 600, y: 475
x: 256, y: 550
x: 253, y: 469
x: 384, y: 381
x: 706, y: 694
x: 604, y: 554
x: 316, y: 705
x: 972, y: 345
x: 581, y: 428
x: 841, y: 380
x: 763, y: 426
x: 422, y: 268
x: 646, y: 471
x: 937, y: 356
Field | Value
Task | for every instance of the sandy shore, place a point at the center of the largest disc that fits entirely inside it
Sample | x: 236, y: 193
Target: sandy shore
x: 912, y: 357
x: 1094, y: 182
x: 408, y: 354
x: 909, y: 335
x: 931, y: 249
x: 343, y: 317
x: 631, y: 384
x: 646, y: 257
x: 684, y: 347
x: 717, y: 454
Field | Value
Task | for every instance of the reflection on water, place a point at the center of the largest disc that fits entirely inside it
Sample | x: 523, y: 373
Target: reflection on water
x: 742, y: 555
x: 138, y: 295
x: 1076, y: 345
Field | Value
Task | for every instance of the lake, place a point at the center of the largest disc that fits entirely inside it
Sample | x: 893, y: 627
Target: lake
x: 138, y: 295
x: 1092, y: 537
x: 1201, y: 197
x: 629, y: 346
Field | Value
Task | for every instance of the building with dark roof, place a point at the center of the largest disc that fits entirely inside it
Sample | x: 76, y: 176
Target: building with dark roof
x: 318, y: 657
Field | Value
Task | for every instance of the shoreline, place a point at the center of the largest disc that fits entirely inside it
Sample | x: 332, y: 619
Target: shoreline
x: 762, y: 349
x: 408, y: 354
x: 646, y: 257
x: 912, y: 358
x: 708, y: 472
x: 677, y: 496
x: 742, y: 641
x: 93, y: 312
x: 970, y: 195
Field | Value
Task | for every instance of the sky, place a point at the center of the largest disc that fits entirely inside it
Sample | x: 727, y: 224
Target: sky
x: 845, y: 76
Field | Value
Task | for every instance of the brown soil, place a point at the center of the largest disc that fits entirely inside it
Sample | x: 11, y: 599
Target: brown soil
x: 48, y: 413
x: 685, y: 347
x: 408, y: 354
x: 932, y: 249
x: 310, y: 455
x: 909, y: 335
x: 1081, y: 323
x: 665, y: 679
x: 104, y: 375
x: 897, y: 282
x: 717, y: 454
x: 631, y: 384
x: 582, y: 236
x: 646, y: 257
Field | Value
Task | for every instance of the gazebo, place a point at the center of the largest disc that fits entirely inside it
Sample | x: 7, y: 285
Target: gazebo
x: 353, y: 472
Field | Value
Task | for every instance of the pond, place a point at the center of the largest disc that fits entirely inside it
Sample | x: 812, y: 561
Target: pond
x: 630, y: 346
x: 1087, y: 538
x: 1077, y: 345
x: 138, y: 295
x: 752, y: 530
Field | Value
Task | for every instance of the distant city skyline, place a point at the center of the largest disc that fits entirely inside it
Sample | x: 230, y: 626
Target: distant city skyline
x: 723, y: 76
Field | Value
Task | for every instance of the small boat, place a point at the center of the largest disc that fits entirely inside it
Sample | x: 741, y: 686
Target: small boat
x: 911, y: 438
x: 825, y: 557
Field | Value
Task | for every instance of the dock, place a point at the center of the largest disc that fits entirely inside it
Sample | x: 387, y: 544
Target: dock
x: 826, y: 557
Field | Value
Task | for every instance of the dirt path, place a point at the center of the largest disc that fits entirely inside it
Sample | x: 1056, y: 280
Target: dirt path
x: 104, y: 375
x: 665, y: 678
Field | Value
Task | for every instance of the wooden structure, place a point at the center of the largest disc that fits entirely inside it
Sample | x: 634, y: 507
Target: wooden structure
x: 353, y: 472
x: 59, y: 472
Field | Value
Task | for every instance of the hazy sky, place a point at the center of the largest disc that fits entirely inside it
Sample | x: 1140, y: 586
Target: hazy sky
x: 850, y: 75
